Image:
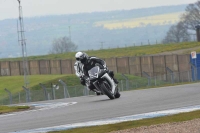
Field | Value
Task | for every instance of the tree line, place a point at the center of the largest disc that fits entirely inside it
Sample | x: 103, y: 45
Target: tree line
x: 182, y: 31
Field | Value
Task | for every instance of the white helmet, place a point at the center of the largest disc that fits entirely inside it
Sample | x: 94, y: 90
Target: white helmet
x: 82, y: 57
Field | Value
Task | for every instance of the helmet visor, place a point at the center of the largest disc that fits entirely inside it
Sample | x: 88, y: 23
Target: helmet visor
x: 82, y: 57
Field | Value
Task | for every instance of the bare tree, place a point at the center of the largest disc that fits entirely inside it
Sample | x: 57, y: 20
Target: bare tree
x: 186, y: 27
x: 62, y: 45
x: 191, y: 17
x: 177, y: 33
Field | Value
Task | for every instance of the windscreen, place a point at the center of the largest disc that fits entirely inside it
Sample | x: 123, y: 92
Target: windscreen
x: 94, y: 71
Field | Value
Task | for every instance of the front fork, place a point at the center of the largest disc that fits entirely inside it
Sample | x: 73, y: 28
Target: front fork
x: 110, y: 80
x: 96, y: 84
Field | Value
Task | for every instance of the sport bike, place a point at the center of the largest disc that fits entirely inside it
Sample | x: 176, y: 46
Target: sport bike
x: 102, y: 82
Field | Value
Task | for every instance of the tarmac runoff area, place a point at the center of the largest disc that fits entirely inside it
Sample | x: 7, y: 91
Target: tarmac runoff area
x: 113, y: 120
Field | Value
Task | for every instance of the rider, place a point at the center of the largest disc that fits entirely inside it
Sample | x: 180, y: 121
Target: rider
x: 84, y: 63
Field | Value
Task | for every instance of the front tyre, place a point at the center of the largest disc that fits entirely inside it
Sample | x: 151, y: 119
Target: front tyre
x: 107, y: 89
x: 117, y: 95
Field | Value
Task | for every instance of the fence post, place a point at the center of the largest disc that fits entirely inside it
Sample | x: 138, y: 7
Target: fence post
x: 155, y: 81
x: 19, y: 98
x: 172, y: 74
x: 10, y: 95
x: 53, y: 90
x: 127, y: 81
x: 122, y: 87
x: 85, y: 91
x: 65, y: 89
x: 75, y: 92
x: 45, y: 90
x: 49, y: 97
x: 148, y: 77
x: 188, y: 76
x: 53, y: 95
x: 27, y: 94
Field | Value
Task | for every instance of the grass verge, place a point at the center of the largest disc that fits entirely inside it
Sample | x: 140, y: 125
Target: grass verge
x: 15, y: 83
x: 8, y: 109
x: 116, y: 52
x: 134, y: 124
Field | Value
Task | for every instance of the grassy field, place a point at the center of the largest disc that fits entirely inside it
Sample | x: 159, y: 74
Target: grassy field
x: 118, y: 52
x: 134, y: 124
x: 198, y: 50
x: 75, y: 89
x: 139, y: 22
x: 15, y: 83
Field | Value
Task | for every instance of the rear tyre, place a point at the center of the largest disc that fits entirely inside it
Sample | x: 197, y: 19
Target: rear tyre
x: 107, y: 89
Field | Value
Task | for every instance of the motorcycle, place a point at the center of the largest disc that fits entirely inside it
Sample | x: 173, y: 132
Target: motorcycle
x: 103, y: 83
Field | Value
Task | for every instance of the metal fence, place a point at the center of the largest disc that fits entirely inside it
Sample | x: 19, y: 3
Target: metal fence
x: 64, y: 91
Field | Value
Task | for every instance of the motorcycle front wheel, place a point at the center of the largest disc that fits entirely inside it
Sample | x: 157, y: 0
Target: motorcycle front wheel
x: 107, y: 89
x: 117, y: 95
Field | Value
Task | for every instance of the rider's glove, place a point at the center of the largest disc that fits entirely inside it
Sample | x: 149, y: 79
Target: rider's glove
x: 82, y: 80
x: 85, y: 78
x: 105, y: 68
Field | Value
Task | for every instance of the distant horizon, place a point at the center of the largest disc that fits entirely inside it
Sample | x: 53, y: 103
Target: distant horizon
x: 88, y: 30
x: 38, y: 8
x: 91, y: 12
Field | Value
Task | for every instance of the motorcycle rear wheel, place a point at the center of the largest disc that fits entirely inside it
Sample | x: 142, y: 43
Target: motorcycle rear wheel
x: 107, y: 90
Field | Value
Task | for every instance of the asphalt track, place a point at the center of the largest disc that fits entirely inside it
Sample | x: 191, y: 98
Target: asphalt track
x: 90, y: 108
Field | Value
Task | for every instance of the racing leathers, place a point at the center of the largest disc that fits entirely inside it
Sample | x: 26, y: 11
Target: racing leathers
x: 82, y: 69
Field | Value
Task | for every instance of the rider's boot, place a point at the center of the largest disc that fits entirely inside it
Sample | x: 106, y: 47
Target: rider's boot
x: 96, y: 92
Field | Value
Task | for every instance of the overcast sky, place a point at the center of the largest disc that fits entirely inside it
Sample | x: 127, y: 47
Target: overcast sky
x: 31, y: 8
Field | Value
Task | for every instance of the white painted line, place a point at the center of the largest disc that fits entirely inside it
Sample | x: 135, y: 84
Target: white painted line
x: 41, y: 107
x: 113, y: 120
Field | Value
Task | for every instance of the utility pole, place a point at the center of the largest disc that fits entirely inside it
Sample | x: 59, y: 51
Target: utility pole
x: 22, y: 42
x: 102, y: 44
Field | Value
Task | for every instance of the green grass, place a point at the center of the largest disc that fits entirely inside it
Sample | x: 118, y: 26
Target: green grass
x: 134, y: 124
x: 197, y: 50
x: 15, y: 83
x: 8, y: 109
x: 117, y: 52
